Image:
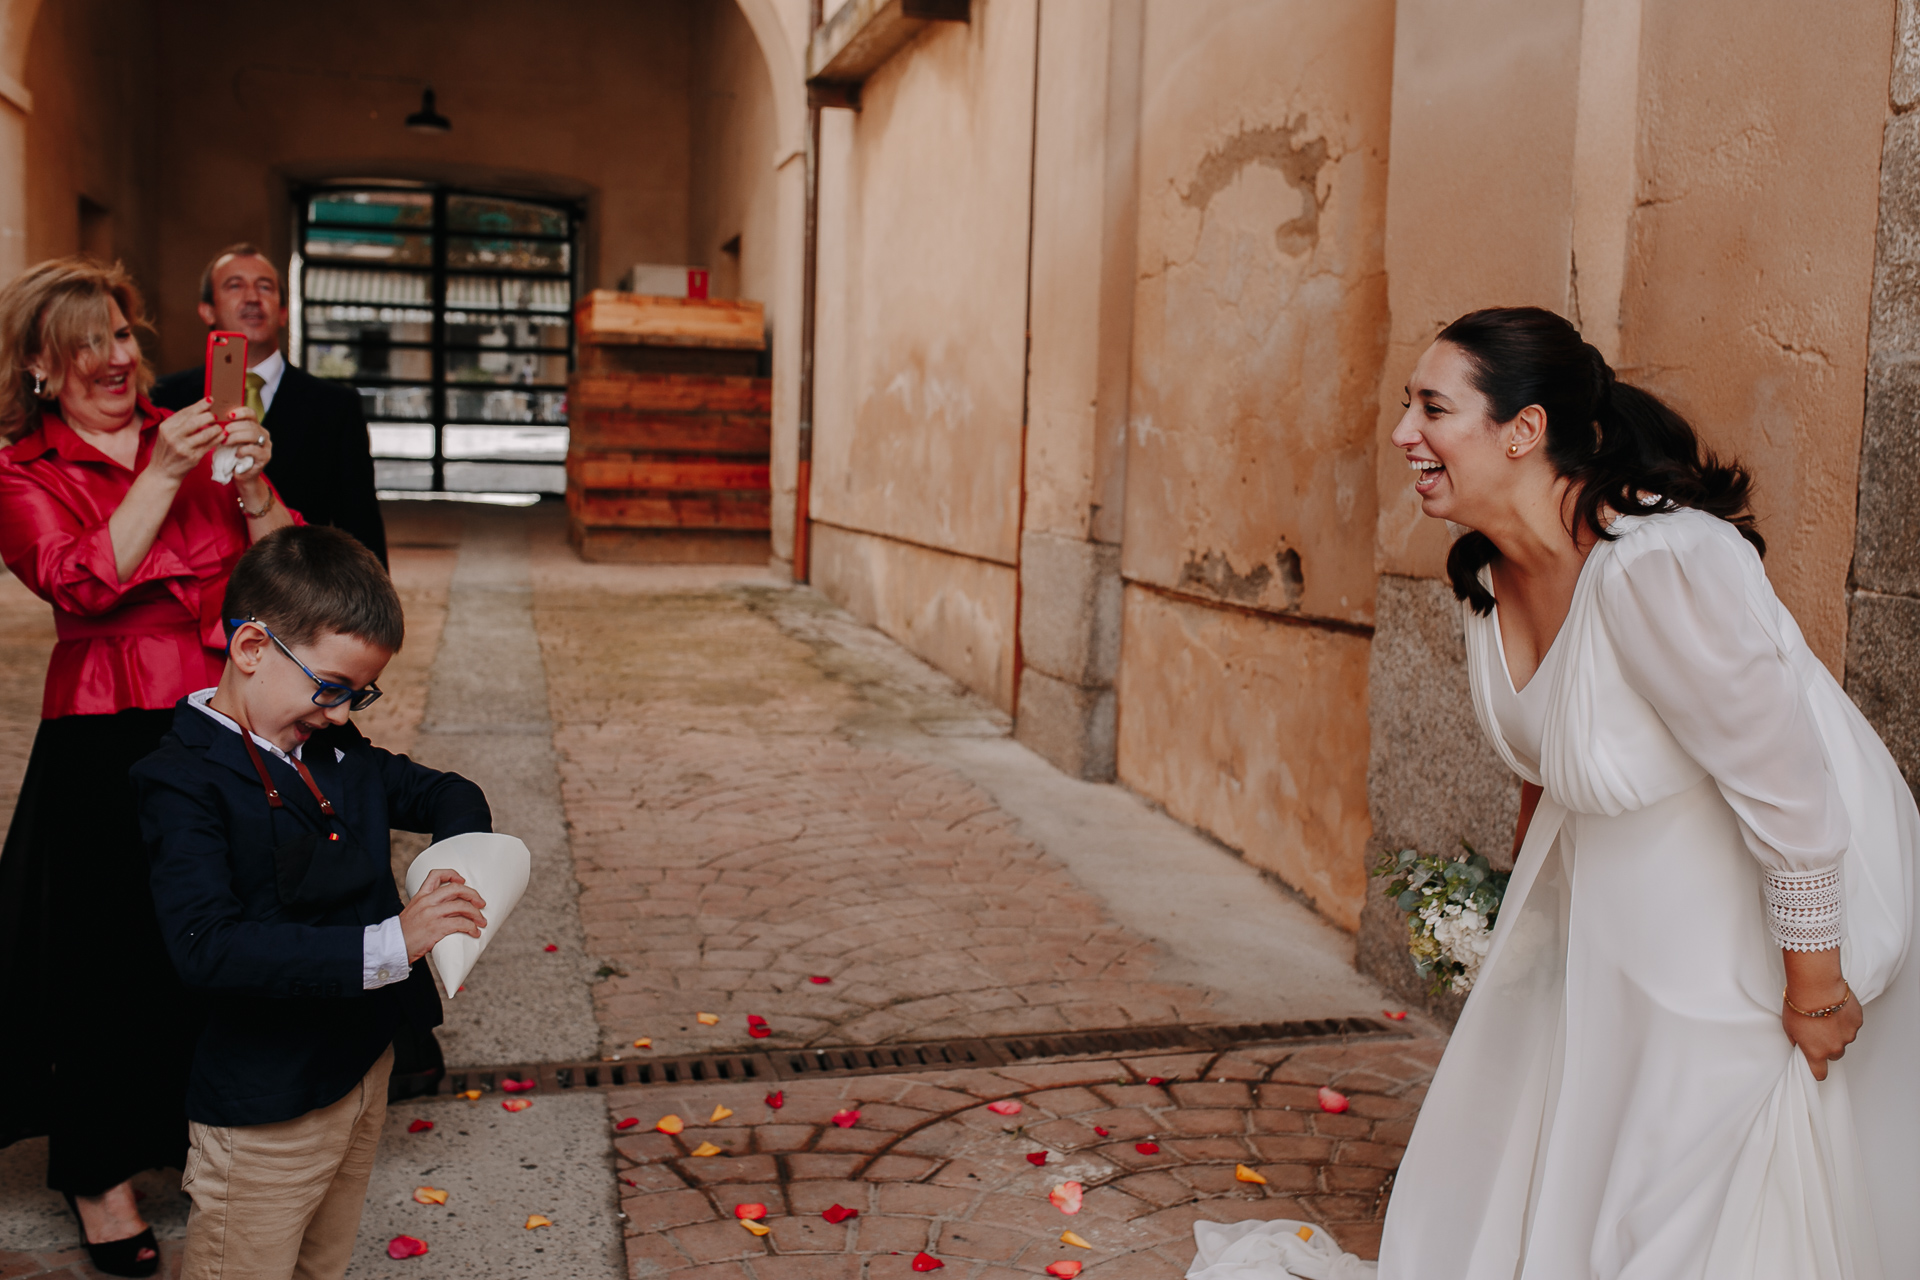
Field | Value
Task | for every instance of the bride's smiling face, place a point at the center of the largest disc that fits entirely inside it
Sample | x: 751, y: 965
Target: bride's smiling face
x: 1455, y: 451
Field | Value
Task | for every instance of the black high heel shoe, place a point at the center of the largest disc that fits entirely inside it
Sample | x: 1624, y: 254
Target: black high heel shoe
x: 120, y: 1257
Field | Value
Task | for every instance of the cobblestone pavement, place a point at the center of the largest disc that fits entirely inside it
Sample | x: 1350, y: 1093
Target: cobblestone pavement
x: 759, y: 792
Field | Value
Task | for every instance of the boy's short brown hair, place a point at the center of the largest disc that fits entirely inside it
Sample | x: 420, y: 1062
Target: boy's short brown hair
x: 309, y: 581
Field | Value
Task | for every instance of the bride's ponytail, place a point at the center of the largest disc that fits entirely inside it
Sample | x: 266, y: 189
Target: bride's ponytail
x: 1625, y: 450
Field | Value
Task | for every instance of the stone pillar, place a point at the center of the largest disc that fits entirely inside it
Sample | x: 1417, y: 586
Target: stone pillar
x: 1883, y: 597
x: 1081, y: 291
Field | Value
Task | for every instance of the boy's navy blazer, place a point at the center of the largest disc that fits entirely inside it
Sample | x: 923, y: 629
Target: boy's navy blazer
x: 265, y: 912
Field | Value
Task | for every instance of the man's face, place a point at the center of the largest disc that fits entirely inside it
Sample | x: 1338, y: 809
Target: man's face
x: 247, y: 299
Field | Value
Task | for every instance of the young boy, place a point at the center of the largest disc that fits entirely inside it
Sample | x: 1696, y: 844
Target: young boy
x: 266, y: 815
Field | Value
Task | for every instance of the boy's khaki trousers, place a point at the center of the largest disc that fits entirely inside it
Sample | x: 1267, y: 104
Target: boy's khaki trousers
x: 282, y: 1201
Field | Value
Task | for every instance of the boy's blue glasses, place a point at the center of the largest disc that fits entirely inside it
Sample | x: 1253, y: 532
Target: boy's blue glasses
x: 329, y: 694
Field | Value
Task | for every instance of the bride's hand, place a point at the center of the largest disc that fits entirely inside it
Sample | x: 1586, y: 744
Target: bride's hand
x: 1822, y: 1039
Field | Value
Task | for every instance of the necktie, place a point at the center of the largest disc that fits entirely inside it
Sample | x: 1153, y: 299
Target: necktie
x: 254, y: 383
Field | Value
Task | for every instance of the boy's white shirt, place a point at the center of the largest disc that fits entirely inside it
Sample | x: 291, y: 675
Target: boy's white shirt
x: 383, y: 949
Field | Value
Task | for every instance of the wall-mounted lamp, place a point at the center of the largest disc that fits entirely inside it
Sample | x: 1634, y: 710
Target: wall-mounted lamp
x: 426, y: 119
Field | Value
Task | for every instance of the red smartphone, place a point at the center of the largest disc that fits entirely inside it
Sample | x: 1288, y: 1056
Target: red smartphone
x: 226, y: 373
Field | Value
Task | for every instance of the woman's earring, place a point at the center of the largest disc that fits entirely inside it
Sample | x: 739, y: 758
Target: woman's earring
x: 40, y: 386
x: 1513, y: 451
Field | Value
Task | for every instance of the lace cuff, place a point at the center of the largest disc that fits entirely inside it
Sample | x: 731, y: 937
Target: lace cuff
x: 1803, y: 908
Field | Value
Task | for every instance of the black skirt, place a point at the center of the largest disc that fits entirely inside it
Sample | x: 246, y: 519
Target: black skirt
x: 97, y: 1028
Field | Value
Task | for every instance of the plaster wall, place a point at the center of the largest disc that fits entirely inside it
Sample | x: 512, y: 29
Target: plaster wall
x: 587, y: 100
x: 16, y: 105
x: 734, y: 185
x: 1254, y: 729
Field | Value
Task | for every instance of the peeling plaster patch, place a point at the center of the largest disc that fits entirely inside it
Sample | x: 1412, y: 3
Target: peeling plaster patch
x: 1215, y: 573
x: 1292, y: 581
x: 1272, y: 146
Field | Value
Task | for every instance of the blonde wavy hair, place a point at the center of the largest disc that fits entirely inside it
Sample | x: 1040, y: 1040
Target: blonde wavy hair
x: 57, y: 315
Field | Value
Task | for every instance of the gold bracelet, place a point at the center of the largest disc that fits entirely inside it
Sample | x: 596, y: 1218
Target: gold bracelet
x: 1827, y: 1012
x: 241, y: 502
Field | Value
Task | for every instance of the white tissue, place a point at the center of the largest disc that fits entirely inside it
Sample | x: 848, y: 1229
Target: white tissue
x: 494, y: 866
x: 227, y: 464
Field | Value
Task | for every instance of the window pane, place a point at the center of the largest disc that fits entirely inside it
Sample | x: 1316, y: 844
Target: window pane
x: 389, y: 324
x: 392, y: 288
x: 508, y: 444
x: 400, y: 440
x: 396, y: 402
x: 403, y: 475
x: 507, y: 405
x: 370, y: 359
x: 490, y: 293
x: 372, y: 209
x: 507, y: 255
x: 507, y: 217
x: 505, y: 477
x: 498, y: 329
x: 504, y: 367
x: 370, y: 246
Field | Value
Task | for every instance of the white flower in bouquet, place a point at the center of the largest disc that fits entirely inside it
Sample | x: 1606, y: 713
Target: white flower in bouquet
x: 1451, y: 906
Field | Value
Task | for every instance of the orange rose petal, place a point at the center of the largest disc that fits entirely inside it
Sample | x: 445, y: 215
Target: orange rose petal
x: 1068, y: 1237
x: 669, y: 1124
x: 1305, y: 1232
x: 538, y: 1220
x: 755, y: 1227
x: 470, y: 1095
x: 707, y: 1019
x: 1243, y: 1174
x: 1332, y: 1101
x: 719, y: 1114
x: 644, y: 1042
x: 405, y: 1247
x: 1063, y: 1270
x: 705, y: 1149
x: 429, y: 1195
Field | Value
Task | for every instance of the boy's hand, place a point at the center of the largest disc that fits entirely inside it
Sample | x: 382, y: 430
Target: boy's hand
x: 443, y: 906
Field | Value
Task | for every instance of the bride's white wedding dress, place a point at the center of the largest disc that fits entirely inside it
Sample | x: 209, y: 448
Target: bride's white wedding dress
x: 1619, y: 1099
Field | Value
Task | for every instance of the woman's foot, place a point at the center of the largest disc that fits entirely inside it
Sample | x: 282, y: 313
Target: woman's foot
x: 118, y: 1240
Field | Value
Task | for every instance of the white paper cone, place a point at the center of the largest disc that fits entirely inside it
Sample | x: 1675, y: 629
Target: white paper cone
x: 494, y: 866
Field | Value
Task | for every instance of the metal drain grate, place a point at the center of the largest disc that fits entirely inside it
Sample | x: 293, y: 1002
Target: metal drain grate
x: 781, y: 1065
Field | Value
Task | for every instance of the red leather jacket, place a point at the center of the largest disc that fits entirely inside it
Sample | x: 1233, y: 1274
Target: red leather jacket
x: 146, y: 642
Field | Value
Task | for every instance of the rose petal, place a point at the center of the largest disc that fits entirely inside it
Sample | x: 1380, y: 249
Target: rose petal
x: 754, y: 1212
x: 926, y: 1262
x: 1147, y: 1148
x: 755, y: 1020
x: 755, y: 1227
x: 538, y: 1220
x: 719, y: 1114
x: 516, y: 1104
x: 1397, y: 1017
x: 628, y: 1123
x: 1243, y: 1174
x: 707, y: 1019
x: 405, y: 1247
x: 470, y: 1095
x: 819, y: 981
x: 1063, y: 1270
x: 670, y: 1124
x: 1156, y: 1079
x: 704, y: 1150
x: 837, y: 1214
x: 777, y: 1099
x: 1005, y: 1107
x: 1068, y: 1237
x: 759, y: 1033
x: 429, y: 1195
x: 1066, y: 1197
x: 552, y: 947
x: 846, y: 1119
x: 519, y: 1086
x: 1305, y: 1232
x: 1332, y: 1101
x: 630, y: 1182
x: 1036, y: 1158
x: 420, y: 1126
x: 1102, y: 1132
x: 644, y: 1042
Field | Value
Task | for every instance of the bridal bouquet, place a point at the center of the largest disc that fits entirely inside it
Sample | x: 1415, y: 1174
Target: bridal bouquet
x: 1451, y: 905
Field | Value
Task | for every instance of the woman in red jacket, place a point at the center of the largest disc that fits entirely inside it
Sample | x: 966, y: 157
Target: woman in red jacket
x: 109, y: 512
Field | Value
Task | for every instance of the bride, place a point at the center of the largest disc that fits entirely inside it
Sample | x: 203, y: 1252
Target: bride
x: 1657, y: 1074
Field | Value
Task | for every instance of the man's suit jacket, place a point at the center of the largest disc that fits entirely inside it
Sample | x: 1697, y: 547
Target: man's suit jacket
x: 322, y: 461
x: 264, y: 910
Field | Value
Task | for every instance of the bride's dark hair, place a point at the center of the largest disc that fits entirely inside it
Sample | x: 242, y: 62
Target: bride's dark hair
x: 1618, y: 445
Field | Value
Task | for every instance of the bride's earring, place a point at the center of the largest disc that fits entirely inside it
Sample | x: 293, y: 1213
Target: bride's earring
x: 40, y: 386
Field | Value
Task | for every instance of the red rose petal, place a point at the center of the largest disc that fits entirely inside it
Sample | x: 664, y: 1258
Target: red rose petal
x: 1147, y: 1148
x: 1063, y: 1270
x: 750, y: 1212
x: 552, y: 947
x: 630, y: 1182
x: 1036, y: 1158
x: 516, y: 1104
x: 846, y: 1119
x: 1156, y: 1079
x: 837, y: 1214
x: 759, y: 1033
x: 926, y: 1262
x: 777, y: 1099
x: 519, y: 1086
x: 1397, y: 1017
x: 405, y: 1247
x: 420, y: 1126
x: 628, y: 1123
x: 819, y: 981
x: 755, y: 1020
x: 1332, y: 1101
x: 1005, y: 1107
x: 1102, y: 1132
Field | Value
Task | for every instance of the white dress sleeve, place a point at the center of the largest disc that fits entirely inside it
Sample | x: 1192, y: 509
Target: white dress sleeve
x: 1678, y: 613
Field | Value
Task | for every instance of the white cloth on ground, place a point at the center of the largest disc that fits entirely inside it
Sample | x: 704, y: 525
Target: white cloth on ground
x: 1282, y: 1249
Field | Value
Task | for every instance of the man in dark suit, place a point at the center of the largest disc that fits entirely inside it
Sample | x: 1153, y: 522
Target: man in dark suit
x: 322, y: 461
